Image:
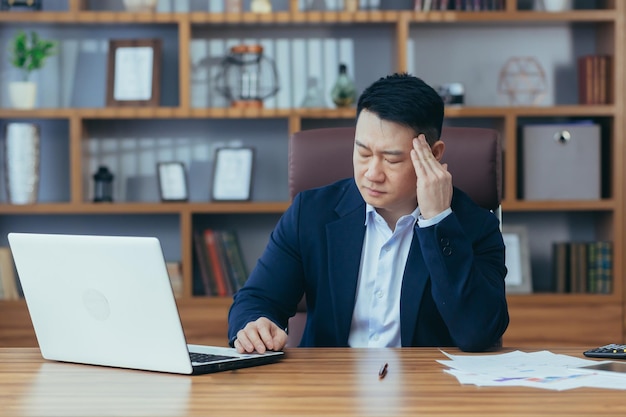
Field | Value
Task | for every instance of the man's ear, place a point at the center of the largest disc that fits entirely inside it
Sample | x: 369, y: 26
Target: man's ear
x: 438, y: 149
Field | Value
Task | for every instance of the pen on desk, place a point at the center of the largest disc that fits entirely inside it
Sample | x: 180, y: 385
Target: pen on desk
x: 383, y: 371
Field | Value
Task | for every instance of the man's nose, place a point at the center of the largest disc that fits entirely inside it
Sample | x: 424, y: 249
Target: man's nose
x: 374, y: 170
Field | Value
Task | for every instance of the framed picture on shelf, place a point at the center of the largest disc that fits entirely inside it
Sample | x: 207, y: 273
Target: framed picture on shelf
x: 133, y: 72
x: 518, y: 279
x: 232, y: 174
x: 172, y: 181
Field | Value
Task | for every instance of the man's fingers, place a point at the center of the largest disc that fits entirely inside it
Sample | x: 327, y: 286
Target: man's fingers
x: 266, y: 336
x: 259, y: 336
x: 243, y: 342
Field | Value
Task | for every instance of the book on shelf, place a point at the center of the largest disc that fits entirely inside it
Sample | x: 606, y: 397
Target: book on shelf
x: 9, y: 289
x: 594, y: 79
x: 583, y: 267
x: 204, y: 286
x: 216, y: 261
x: 237, y: 270
x: 176, y: 277
x: 222, y: 266
x: 560, y: 262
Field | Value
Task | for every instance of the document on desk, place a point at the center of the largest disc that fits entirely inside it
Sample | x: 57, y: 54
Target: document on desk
x: 541, y: 369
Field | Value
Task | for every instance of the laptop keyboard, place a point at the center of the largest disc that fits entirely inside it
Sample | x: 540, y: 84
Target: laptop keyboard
x: 205, y: 357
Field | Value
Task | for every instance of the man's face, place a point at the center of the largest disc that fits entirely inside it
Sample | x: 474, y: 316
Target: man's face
x: 383, y: 169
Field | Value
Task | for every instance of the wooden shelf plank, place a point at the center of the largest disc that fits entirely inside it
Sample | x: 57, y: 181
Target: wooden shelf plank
x: 314, y: 113
x: 145, y: 208
x: 313, y: 17
x: 563, y: 205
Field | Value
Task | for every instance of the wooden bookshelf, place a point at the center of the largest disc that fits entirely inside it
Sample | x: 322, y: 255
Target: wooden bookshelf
x: 536, y: 319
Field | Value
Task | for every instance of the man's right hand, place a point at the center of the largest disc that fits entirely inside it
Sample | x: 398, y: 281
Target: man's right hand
x: 260, y: 335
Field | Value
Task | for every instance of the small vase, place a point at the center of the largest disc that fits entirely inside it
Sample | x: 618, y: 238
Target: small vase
x: 21, y: 162
x: 314, y: 97
x: 23, y: 94
x: 343, y: 92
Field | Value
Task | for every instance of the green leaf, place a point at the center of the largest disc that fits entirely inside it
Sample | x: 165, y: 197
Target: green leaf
x: 29, y: 55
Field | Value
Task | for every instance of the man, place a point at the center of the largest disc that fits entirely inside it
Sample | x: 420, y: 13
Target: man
x: 394, y: 257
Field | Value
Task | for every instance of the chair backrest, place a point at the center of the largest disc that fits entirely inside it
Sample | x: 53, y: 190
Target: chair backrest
x: 321, y: 156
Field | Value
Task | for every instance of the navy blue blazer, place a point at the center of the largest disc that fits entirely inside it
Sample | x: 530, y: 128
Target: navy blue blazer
x: 453, y: 291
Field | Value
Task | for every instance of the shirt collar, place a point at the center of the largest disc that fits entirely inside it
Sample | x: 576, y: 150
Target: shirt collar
x: 370, y: 213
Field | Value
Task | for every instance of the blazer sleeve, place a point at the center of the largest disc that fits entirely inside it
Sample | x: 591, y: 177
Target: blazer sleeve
x: 276, y: 284
x: 464, y: 254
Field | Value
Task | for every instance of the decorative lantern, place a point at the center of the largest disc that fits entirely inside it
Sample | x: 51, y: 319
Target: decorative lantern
x: 247, y: 76
x: 103, y: 185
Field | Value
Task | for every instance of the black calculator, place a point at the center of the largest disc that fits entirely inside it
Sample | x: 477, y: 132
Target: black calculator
x: 611, y: 351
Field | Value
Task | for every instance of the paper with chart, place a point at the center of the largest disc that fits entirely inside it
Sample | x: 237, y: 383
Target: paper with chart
x: 541, y: 369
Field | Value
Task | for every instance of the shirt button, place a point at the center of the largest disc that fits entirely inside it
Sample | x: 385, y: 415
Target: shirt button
x: 379, y: 294
x: 447, y: 250
x: 445, y: 241
x: 375, y: 338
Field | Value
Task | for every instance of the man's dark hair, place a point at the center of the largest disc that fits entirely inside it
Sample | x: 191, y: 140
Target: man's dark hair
x: 407, y: 100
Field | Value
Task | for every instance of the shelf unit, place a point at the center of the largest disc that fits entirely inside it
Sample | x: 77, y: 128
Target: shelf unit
x: 536, y: 319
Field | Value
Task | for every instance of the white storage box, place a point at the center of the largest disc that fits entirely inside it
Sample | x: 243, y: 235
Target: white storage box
x: 561, y: 162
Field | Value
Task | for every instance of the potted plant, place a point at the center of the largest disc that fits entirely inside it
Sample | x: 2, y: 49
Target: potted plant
x: 28, y: 54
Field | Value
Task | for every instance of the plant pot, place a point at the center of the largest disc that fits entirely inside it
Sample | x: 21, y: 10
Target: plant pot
x: 140, y: 5
x: 21, y: 162
x: 23, y: 94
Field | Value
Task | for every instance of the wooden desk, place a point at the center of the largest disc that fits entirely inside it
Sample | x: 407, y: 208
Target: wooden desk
x: 308, y: 382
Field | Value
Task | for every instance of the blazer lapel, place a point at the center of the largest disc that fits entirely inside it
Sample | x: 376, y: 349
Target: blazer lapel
x: 413, y: 284
x: 345, y: 244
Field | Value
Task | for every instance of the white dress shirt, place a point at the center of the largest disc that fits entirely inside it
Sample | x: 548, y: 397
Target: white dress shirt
x: 376, y: 315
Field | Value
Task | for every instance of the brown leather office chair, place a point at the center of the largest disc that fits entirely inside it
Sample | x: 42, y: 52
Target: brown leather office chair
x: 321, y: 156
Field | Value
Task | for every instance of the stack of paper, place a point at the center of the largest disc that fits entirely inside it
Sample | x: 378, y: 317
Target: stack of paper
x: 541, y: 369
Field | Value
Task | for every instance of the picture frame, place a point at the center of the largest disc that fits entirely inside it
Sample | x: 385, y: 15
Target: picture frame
x: 173, y: 185
x: 232, y: 174
x: 519, y: 277
x: 134, y: 72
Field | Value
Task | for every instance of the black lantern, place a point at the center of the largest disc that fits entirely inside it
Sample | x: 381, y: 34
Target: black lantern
x: 247, y: 76
x: 103, y: 185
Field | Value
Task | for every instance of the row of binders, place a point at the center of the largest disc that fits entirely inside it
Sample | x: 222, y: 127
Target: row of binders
x: 583, y: 267
x: 221, y: 263
x: 458, y: 5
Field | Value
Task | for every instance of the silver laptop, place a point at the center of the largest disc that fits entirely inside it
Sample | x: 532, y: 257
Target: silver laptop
x: 107, y: 300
